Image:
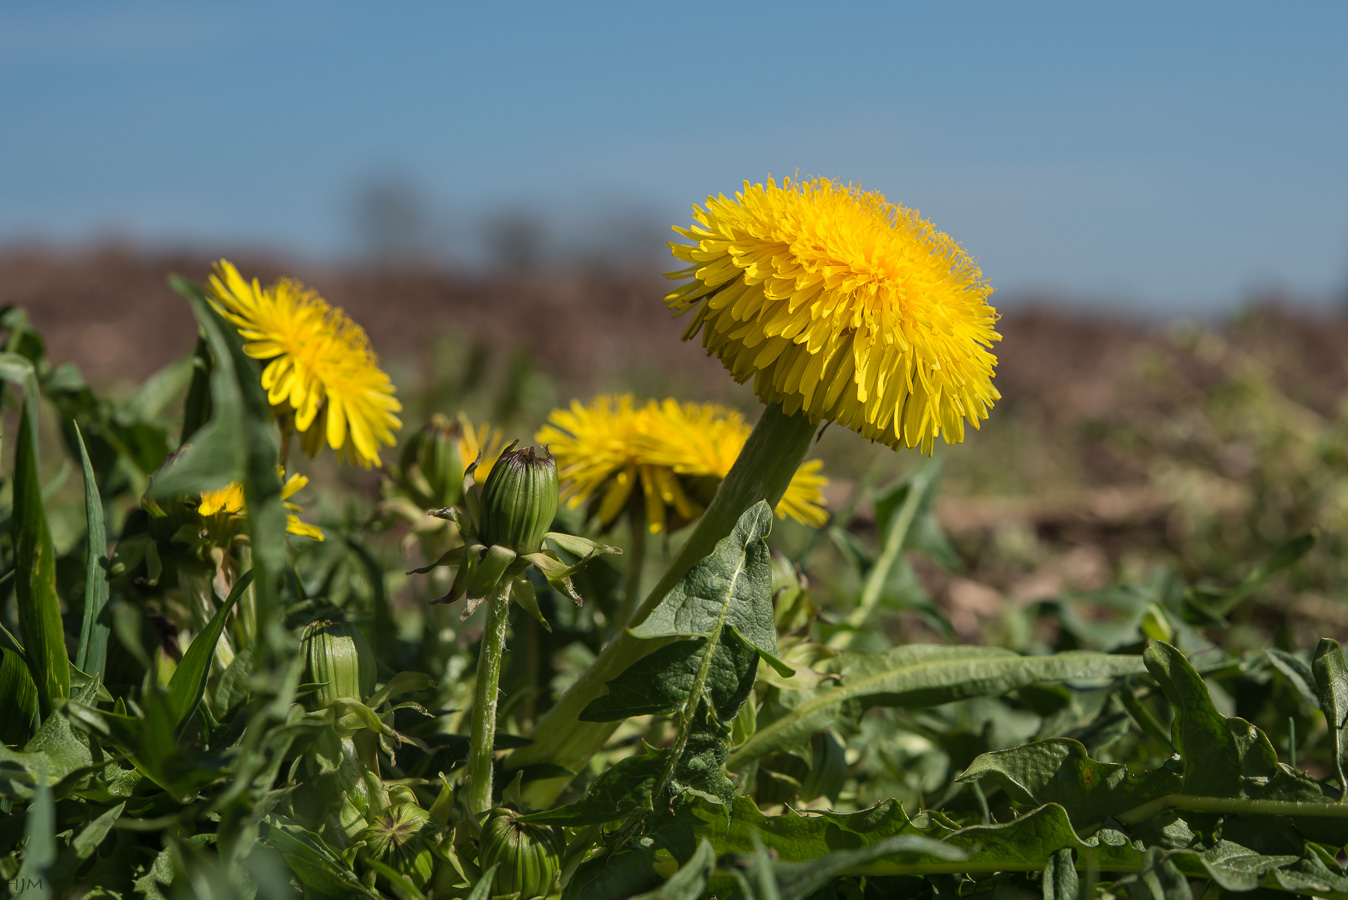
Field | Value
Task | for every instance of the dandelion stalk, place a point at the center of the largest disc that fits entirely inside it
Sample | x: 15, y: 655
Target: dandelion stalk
x: 482, y: 737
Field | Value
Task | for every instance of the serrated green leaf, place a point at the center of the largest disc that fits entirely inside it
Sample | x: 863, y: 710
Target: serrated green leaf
x: 624, y: 789
x: 188, y: 682
x: 1221, y: 757
x: 1331, y: 680
x: 1060, y: 771
x: 92, y: 653
x: 659, y: 683
x: 918, y: 675
x: 732, y: 588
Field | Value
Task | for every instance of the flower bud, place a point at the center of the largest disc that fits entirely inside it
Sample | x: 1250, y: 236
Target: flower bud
x: 431, y: 467
x: 530, y: 856
x: 341, y: 660
x: 397, y: 837
x: 519, y: 500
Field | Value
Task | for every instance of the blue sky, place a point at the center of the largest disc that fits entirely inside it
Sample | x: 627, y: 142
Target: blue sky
x: 1147, y: 157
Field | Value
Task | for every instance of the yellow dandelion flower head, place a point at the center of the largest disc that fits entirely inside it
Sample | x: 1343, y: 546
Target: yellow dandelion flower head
x: 676, y: 452
x: 845, y: 306
x: 225, y: 506
x: 319, y: 369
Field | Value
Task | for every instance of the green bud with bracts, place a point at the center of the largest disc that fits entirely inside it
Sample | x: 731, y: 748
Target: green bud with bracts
x: 504, y: 526
x: 430, y: 468
x: 528, y: 857
x: 340, y: 659
x: 519, y: 500
x: 399, y: 838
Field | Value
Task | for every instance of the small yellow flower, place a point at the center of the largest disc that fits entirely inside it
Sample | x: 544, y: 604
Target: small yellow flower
x: 677, y: 452
x: 844, y: 306
x: 225, y: 506
x: 319, y: 364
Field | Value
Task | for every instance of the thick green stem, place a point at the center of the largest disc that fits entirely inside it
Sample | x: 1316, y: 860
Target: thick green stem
x: 482, y: 737
x: 764, y: 468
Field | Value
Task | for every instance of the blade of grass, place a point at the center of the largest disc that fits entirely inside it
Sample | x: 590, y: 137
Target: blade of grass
x: 188, y: 684
x: 35, y: 564
x: 39, y: 854
x: 92, y: 654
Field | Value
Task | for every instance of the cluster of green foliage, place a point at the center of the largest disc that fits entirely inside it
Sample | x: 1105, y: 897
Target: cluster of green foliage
x: 164, y: 733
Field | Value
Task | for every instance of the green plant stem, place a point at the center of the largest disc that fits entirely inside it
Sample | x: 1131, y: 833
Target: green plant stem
x: 895, y: 539
x: 482, y: 737
x: 764, y: 468
x: 1196, y: 803
x: 636, y: 561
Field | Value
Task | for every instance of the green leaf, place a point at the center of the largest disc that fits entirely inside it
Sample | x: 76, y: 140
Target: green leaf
x: 918, y: 675
x: 1060, y: 877
x: 731, y: 587
x: 39, y: 855
x: 1060, y: 771
x: 1284, y: 557
x: 197, y: 408
x: 240, y: 442
x: 35, y: 562
x: 1221, y: 757
x: 93, y: 648
x: 1331, y: 680
x: 87, y: 841
x: 18, y: 696
x: 689, y: 882
x: 898, y: 510
x: 188, y: 683
x: 801, y: 880
x: 659, y: 683
x: 1297, y: 672
x: 314, y: 863
x: 624, y: 789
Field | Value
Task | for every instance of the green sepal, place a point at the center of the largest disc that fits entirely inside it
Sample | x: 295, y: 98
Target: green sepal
x: 486, y: 573
x: 522, y: 592
x: 576, y: 545
x: 448, y: 558
x: 470, y: 497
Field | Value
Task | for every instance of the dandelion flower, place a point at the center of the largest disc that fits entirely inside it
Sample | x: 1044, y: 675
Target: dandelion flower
x: 843, y: 306
x: 677, y: 453
x: 319, y: 369
x: 223, y: 510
